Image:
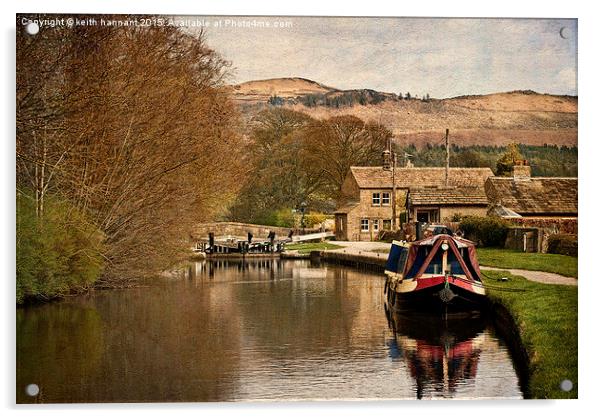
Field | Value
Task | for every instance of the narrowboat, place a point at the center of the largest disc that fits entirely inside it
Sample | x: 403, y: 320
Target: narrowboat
x: 439, y: 273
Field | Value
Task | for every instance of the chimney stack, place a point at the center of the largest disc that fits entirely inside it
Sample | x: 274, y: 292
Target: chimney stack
x: 386, y: 160
x: 521, y: 170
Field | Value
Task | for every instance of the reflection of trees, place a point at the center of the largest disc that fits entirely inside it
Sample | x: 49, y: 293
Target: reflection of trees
x: 161, y: 343
x: 439, y: 354
x: 184, y: 341
x: 314, y: 311
x: 59, y: 346
x: 169, y: 343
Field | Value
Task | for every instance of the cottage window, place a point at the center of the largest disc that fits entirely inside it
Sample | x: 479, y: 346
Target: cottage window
x: 387, y: 224
x: 365, y: 225
x: 375, y: 223
x: 386, y: 198
x: 375, y: 199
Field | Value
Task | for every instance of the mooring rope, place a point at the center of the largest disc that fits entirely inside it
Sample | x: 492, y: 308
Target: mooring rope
x: 484, y: 286
x: 502, y: 289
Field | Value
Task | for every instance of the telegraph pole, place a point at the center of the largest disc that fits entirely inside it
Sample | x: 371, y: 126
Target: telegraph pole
x: 447, y: 158
x: 393, y: 196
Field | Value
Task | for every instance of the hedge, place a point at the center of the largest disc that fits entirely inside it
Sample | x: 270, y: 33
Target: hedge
x: 488, y: 231
x: 563, y: 244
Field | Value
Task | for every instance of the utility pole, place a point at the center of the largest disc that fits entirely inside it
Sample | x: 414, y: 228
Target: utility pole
x: 447, y: 158
x: 393, y: 196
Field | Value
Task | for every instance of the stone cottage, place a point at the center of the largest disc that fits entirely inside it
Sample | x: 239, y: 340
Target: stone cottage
x: 532, y: 197
x: 537, y: 207
x: 366, y: 205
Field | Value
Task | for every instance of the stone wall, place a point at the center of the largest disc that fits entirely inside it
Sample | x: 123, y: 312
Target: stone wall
x: 551, y: 225
x: 547, y: 227
x: 525, y: 239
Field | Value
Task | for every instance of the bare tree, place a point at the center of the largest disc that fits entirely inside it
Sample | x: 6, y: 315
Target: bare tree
x: 334, y: 145
x: 134, y: 127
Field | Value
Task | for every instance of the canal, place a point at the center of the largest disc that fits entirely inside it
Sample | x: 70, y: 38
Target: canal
x: 254, y: 330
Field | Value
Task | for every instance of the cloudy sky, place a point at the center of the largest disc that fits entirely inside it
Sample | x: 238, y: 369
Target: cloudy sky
x: 442, y: 57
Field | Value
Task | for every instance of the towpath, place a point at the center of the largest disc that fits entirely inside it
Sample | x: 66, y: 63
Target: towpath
x: 537, y: 276
x: 381, y: 249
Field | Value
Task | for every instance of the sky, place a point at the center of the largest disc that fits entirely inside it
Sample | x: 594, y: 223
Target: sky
x: 441, y: 57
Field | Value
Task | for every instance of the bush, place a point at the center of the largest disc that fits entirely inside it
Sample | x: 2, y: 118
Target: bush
x: 563, y: 244
x: 57, y: 253
x: 276, y: 101
x: 313, y: 219
x: 402, y: 218
x: 456, y: 217
x: 281, y: 217
x: 488, y: 231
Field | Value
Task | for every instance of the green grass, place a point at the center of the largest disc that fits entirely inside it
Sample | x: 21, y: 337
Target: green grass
x: 552, y: 263
x: 312, y: 246
x: 546, y: 316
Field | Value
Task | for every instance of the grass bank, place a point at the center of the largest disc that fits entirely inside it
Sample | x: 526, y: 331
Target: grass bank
x: 546, y: 317
x: 552, y: 263
x: 308, y: 247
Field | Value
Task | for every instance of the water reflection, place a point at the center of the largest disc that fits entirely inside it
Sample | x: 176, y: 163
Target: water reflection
x: 256, y: 329
x: 443, y: 355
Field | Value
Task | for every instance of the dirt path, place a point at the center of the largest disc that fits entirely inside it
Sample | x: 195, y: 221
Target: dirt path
x: 537, y: 276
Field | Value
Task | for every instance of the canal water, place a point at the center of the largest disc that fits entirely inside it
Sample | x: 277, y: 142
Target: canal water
x: 254, y: 330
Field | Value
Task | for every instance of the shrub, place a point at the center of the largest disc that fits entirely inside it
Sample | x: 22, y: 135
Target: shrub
x: 57, y: 253
x: 402, y: 218
x: 276, y: 101
x: 488, y: 231
x: 563, y: 244
x: 281, y: 217
x: 456, y: 217
x: 313, y: 219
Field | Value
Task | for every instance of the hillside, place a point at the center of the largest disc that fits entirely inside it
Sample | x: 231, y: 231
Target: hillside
x: 493, y: 119
x: 261, y: 90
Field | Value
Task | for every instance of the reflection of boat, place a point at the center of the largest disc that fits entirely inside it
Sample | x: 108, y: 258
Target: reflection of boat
x: 439, y: 271
x: 441, y: 355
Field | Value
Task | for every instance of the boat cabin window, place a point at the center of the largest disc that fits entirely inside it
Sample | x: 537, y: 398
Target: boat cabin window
x: 436, y: 264
x: 402, y: 260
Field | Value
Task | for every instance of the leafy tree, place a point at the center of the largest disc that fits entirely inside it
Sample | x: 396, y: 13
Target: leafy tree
x: 506, y: 162
x: 277, y: 177
x: 57, y: 253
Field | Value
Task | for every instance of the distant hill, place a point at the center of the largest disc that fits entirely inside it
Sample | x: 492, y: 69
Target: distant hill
x: 262, y: 90
x: 492, y: 119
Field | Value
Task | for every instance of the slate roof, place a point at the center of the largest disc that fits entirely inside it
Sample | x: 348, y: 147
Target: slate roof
x: 535, y: 195
x: 465, y: 196
x: 377, y: 177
